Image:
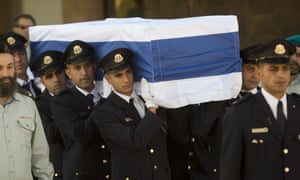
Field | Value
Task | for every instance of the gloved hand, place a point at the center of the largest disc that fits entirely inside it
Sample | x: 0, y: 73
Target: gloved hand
x: 145, y: 92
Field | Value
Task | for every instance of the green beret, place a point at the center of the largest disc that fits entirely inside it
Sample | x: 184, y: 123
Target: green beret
x: 295, y: 40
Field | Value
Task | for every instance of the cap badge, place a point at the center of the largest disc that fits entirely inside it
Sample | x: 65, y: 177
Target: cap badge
x: 77, y: 49
x: 118, y: 58
x: 48, y: 60
x: 11, y: 40
x: 279, y: 49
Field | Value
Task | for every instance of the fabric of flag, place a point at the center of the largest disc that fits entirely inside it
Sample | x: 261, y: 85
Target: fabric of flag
x: 185, y: 61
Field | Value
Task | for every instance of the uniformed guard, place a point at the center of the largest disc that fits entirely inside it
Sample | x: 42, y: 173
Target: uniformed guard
x: 50, y: 68
x: 249, y: 72
x: 25, y: 78
x: 261, y: 133
x: 207, y: 122
x: 134, y: 134
x: 86, y: 155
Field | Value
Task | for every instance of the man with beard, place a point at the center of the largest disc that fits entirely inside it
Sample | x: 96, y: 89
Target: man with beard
x: 86, y: 155
x: 50, y: 68
x: 25, y: 78
x: 261, y: 133
x: 24, y: 147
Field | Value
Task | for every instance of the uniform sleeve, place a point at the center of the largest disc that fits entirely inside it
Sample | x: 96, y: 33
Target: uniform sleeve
x: 51, y: 130
x: 129, y: 137
x: 76, y: 125
x: 232, y: 147
x: 41, y: 166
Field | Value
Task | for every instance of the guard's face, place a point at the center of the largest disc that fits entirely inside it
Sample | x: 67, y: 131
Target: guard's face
x: 54, y: 80
x: 122, y: 81
x: 82, y: 74
x: 275, y: 78
x: 21, y: 63
x: 250, y: 76
x: 296, y: 57
x: 7, y: 75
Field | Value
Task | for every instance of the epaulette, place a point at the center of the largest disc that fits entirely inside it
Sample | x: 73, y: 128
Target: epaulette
x: 25, y: 92
x: 242, y: 100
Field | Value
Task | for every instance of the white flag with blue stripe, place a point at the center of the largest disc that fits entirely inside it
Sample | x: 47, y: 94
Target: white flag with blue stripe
x: 185, y: 61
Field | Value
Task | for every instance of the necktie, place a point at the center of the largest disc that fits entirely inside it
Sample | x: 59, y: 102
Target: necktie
x: 280, y: 116
x: 132, y: 105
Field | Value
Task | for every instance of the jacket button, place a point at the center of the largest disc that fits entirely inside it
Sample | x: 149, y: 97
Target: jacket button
x: 89, y: 107
x: 189, y: 167
x: 193, y: 140
x: 55, y: 174
x: 76, y: 173
x: 285, y: 151
x: 155, y: 167
x: 214, y: 170
x: 151, y: 151
x: 126, y: 178
x: 104, y: 161
x: 102, y: 146
x: 107, y: 176
x: 191, y: 154
x: 286, y: 169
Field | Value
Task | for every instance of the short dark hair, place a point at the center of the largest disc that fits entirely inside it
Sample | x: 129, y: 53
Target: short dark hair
x: 25, y: 16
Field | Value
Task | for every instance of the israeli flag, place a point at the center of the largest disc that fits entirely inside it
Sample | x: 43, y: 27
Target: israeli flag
x: 185, y: 61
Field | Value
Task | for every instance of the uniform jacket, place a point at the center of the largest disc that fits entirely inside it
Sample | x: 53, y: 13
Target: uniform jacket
x: 52, y: 133
x: 85, y: 156
x: 254, y: 147
x: 138, y: 146
x: 179, y: 139
x: 24, y: 147
x: 31, y: 87
x: 206, y: 128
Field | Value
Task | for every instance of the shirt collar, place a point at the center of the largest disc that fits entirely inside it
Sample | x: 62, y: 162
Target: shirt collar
x: 252, y: 91
x: 125, y: 97
x: 273, y: 101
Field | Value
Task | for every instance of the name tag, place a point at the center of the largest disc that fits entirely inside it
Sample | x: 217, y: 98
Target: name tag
x: 259, y: 130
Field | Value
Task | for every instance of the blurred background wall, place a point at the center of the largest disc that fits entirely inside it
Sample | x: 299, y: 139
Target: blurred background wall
x: 259, y: 20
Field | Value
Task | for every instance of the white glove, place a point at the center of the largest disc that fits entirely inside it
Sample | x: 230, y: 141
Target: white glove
x: 145, y: 92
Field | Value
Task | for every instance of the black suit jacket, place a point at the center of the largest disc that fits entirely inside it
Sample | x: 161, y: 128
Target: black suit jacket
x: 179, y: 140
x: 85, y: 155
x: 54, y: 138
x: 254, y: 148
x: 206, y: 128
x: 138, y: 146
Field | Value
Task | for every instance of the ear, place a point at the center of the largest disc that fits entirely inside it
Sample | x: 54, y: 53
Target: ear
x: 108, y: 78
x: 259, y: 72
x: 68, y: 73
x: 42, y: 80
